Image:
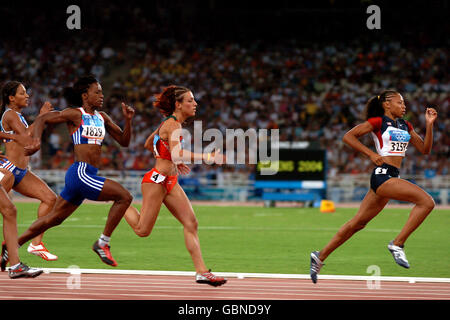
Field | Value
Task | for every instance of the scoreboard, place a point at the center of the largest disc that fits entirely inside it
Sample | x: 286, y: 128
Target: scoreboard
x: 294, y: 164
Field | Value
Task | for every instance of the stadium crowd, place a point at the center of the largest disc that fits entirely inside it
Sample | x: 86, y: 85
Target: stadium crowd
x: 310, y: 93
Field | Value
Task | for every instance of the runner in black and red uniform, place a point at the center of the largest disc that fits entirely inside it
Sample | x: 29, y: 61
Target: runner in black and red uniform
x: 391, y: 135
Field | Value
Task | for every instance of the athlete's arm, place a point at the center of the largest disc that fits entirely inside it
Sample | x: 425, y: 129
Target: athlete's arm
x: 180, y: 155
x: 46, y: 107
x: 12, y: 120
x: 424, y: 147
x: 352, y: 139
x: 122, y: 137
x: 65, y: 116
x: 149, y: 142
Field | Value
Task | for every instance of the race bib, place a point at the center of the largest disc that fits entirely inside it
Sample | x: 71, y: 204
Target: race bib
x: 157, y: 177
x: 395, y: 146
x: 381, y: 170
x: 92, y: 127
x: 92, y: 132
x: 398, y: 142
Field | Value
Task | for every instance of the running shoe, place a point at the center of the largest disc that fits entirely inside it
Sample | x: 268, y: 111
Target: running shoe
x: 41, y: 251
x: 4, y: 259
x: 315, y: 266
x: 104, y: 253
x: 398, y: 254
x: 22, y: 270
x: 210, y: 279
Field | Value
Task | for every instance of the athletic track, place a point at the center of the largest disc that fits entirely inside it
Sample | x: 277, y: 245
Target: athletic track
x: 87, y: 286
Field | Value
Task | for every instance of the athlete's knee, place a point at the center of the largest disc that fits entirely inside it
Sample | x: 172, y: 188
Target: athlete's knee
x: 9, y: 211
x: 191, y: 225
x: 50, y: 199
x: 142, y: 233
x: 126, y: 198
x: 428, y: 203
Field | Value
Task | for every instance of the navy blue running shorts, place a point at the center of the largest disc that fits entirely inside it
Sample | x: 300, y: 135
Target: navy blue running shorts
x: 381, y: 174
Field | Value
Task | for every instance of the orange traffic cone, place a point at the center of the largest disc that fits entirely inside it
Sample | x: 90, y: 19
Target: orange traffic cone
x: 327, y: 206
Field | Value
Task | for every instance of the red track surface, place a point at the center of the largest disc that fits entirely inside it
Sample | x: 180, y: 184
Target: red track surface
x: 54, y: 286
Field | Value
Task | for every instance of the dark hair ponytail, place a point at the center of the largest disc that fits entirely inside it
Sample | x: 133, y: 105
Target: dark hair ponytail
x: 9, y: 89
x: 165, y: 101
x: 73, y: 94
x: 374, y: 107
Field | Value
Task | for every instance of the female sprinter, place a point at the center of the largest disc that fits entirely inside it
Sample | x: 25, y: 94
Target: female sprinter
x: 15, y: 99
x: 391, y: 135
x: 87, y: 126
x: 9, y: 213
x: 160, y: 185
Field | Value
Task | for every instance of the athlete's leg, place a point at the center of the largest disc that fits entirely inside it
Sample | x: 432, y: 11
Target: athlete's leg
x: 60, y: 212
x: 152, y: 197
x: 179, y: 205
x: 9, y: 213
x: 371, y: 205
x: 114, y: 191
x: 403, y: 190
x: 33, y: 187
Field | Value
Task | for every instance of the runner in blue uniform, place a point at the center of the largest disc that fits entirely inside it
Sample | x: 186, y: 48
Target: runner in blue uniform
x: 15, y: 98
x: 87, y: 126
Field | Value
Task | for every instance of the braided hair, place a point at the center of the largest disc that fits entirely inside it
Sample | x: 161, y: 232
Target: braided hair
x: 165, y: 101
x: 374, y: 107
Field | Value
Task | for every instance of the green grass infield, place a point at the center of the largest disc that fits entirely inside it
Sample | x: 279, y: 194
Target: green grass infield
x: 248, y: 240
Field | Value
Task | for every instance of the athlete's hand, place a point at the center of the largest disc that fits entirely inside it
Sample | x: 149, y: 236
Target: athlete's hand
x: 377, y: 159
x: 46, y: 107
x: 31, y: 145
x: 430, y: 115
x: 183, y: 169
x: 128, y: 112
x: 3, y: 157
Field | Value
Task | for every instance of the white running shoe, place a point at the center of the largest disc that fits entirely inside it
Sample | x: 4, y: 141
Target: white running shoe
x: 41, y: 251
x: 315, y: 266
x: 398, y: 254
x: 22, y: 270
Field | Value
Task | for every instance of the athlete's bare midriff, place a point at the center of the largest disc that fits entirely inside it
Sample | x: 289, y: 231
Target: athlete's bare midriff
x: 16, y: 154
x: 89, y: 153
x: 395, y: 161
x: 166, y: 167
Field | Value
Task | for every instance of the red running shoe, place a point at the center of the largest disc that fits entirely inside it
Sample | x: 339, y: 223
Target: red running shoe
x: 104, y: 253
x: 210, y: 279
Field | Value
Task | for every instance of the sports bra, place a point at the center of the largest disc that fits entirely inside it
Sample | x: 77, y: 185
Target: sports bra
x: 12, y: 131
x: 391, y: 137
x: 91, y: 130
x: 161, y: 147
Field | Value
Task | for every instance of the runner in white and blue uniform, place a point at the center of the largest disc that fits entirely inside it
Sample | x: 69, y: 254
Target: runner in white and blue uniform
x: 14, y: 100
x: 391, y: 135
x: 87, y: 126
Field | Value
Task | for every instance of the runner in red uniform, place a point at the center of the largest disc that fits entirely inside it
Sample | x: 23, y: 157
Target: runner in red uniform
x: 160, y: 185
